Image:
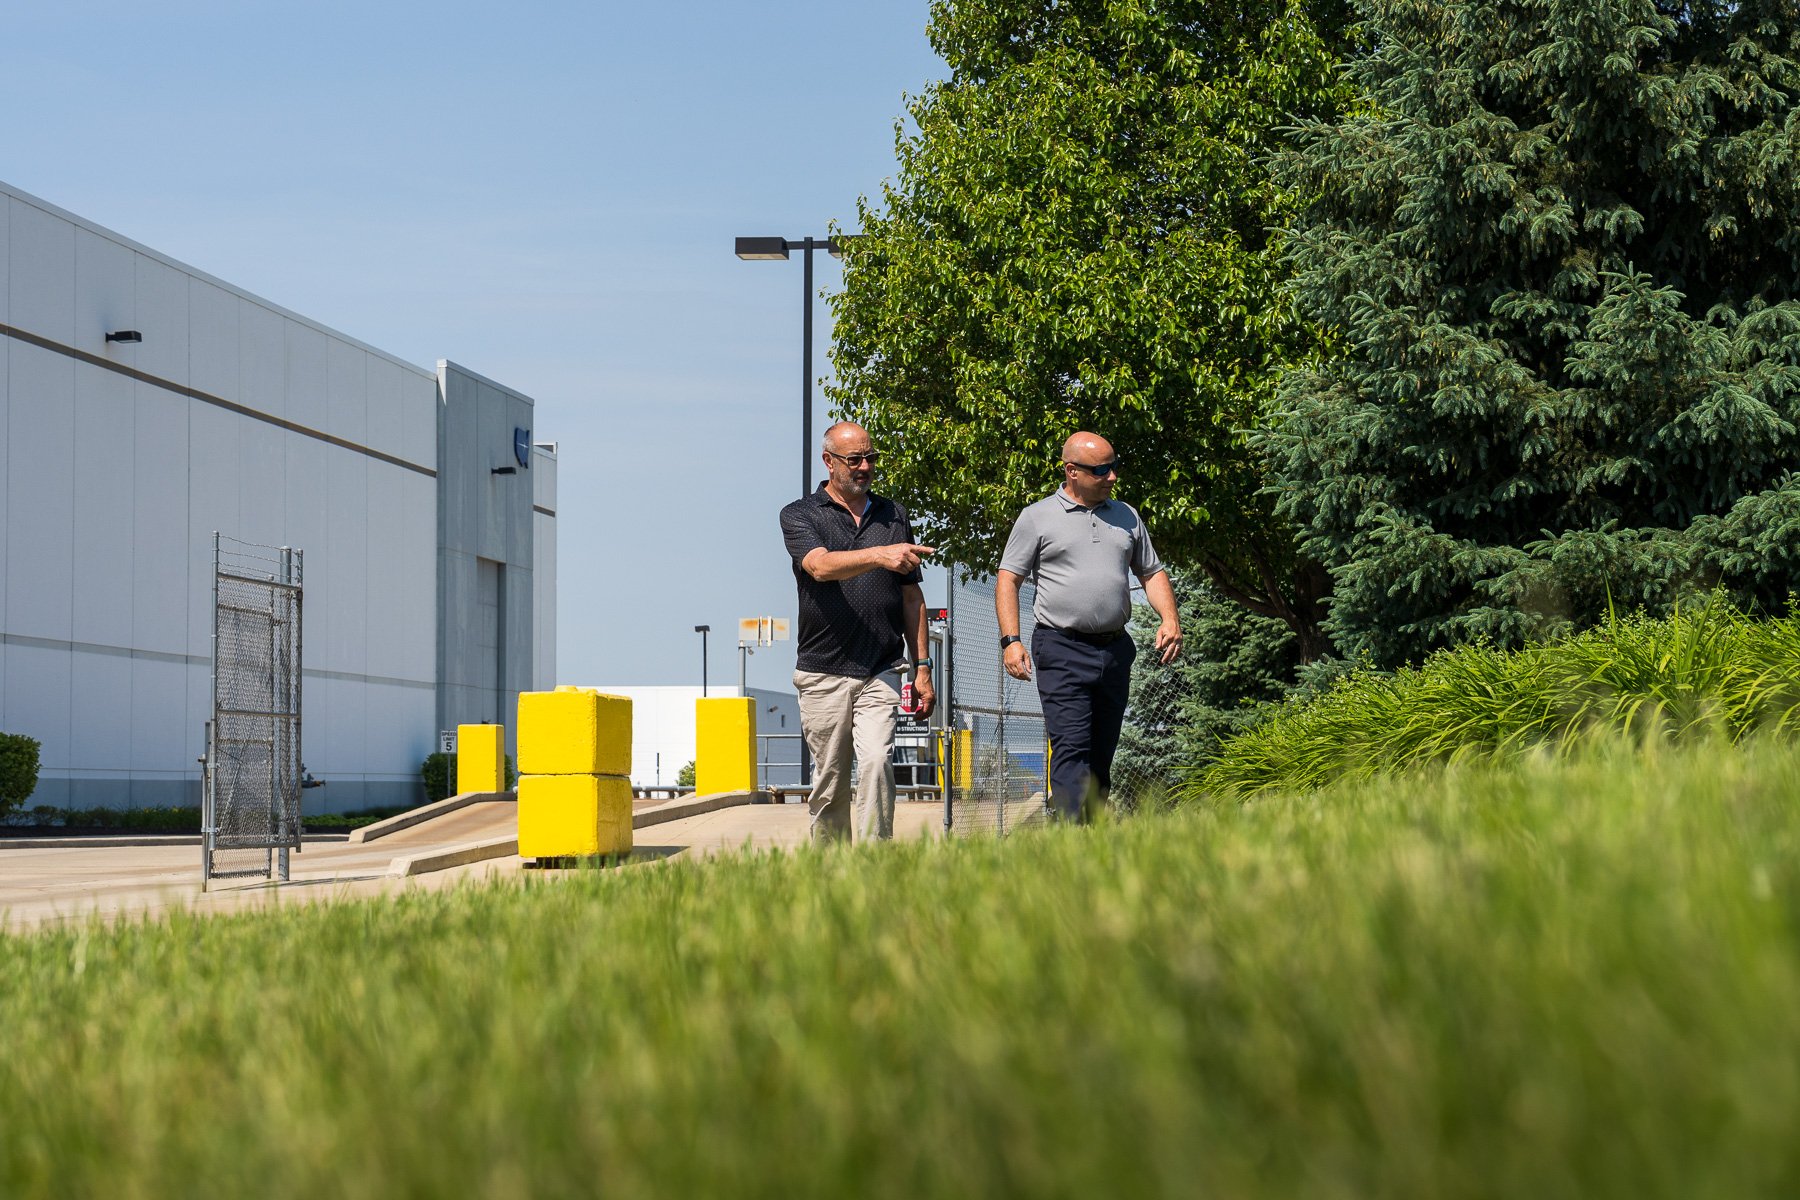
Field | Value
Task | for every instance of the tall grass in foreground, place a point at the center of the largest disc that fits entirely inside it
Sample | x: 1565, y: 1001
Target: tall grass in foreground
x: 1572, y: 979
x: 1710, y: 671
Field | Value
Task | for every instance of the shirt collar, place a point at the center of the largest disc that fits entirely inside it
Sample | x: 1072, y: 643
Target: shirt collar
x: 1072, y: 505
x: 823, y: 499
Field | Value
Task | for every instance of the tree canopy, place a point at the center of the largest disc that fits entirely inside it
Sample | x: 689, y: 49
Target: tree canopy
x: 1559, y: 259
x: 1078, y: 237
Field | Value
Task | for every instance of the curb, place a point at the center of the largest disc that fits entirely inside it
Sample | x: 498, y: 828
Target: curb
x: 693, y: 806
x: 456, y: 856
x: 474, y: 852
x: 103, y: 842
x: 424, y: 813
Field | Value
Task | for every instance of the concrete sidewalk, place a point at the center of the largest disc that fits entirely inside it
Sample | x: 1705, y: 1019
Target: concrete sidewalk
x: 42, y: 885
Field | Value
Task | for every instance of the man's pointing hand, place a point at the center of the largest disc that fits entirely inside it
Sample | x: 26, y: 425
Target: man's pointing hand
x: 902, y: 557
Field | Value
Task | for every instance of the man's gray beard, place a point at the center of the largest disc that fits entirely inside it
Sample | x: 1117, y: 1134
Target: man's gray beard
x: 857, y: 491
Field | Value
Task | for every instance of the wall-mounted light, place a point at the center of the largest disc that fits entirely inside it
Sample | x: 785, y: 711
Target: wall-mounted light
x: 125, y: 335
x: 503, y: 470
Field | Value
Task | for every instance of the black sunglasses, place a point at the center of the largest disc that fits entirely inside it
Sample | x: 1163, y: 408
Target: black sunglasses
x: 857, y: 460
x: 1098, y: 470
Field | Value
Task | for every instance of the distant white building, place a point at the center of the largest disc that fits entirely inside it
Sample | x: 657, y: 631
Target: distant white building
x: 662, y: 732
x: 424, y: 509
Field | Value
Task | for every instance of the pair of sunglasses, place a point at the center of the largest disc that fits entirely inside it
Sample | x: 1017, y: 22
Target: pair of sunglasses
x: 856, y: 460
x: 1098, y: 470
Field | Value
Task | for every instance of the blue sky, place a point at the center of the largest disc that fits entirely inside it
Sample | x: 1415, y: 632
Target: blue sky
x: 546, y: 193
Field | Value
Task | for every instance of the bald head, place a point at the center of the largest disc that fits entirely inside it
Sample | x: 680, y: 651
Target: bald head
x: 1081, y: 453
x: 846, y: 437
x: 1087, y: 448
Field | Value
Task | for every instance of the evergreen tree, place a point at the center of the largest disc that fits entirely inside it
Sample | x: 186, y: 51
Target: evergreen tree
x: 1078, y: 238
x: 1559, y: 260
x: 1233, y: 665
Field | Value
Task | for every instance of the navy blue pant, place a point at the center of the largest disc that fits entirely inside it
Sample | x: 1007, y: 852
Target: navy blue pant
x: 1082, y: 688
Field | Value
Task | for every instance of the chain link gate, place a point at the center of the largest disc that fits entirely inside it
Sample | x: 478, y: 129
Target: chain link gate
x: 996, y: 760
x: 997, y: 754
x: 250, y: 784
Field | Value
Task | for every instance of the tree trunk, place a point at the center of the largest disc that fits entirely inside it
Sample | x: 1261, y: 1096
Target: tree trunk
x: 1300, y: 603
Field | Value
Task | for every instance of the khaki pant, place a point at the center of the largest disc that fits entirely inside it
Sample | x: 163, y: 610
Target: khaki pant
x: 842, y: 716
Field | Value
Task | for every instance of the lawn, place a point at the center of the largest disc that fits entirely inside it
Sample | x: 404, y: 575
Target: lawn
x: 1576, y: 976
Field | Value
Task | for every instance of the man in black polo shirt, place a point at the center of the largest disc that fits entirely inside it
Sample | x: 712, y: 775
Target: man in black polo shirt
x: 858, y: 573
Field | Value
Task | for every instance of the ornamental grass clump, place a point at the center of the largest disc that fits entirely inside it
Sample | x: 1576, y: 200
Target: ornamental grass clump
x: 1710, y: 670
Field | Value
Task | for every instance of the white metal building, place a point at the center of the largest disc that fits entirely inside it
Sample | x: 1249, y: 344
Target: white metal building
x: 663, y: 735
x: 429, y: 566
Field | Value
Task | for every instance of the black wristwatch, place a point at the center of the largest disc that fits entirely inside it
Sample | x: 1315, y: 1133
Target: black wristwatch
x: 1009, y: 639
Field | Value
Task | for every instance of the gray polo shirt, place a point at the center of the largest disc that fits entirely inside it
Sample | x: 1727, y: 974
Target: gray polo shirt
x: 1082, y: 561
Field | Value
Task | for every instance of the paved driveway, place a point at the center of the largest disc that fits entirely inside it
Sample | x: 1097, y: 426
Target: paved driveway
x: 48, y: 884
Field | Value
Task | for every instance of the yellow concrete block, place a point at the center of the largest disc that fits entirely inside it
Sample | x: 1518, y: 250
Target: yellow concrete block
x: 480, y: 758
x: 574, y: 731
x: 574, y: 816
x: 961, y: 757
x: 725, y: 744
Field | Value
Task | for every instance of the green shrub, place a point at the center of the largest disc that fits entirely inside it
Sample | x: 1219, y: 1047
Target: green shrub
x: 149, y: 820
x: 1710, y: 669
x: 435, y: 773
x: 18, y: 770
x: 438, y: 773
x: 685, y: 776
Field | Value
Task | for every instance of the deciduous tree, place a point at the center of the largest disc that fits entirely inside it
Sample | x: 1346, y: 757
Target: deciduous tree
x: 1078, y: 237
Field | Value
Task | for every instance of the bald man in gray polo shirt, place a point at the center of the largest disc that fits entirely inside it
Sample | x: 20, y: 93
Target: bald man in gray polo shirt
x: 1081, y: 548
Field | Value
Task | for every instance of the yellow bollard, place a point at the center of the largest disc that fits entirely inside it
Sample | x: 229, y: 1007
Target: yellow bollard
x: 724, y: 745
x: 574, y: 763
x: 574, y: 816
x: 574, y: 731
x: 480, y: 758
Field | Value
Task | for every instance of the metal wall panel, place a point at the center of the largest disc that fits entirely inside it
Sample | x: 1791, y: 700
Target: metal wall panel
x: 42, y: 273
x: 161, y: 315
x: 103, y: 493
x: 307, y: 380
x: 346, y: 392
x: 214, y: 341
x: 160, y: 529
x: 40, y: 492
x: 105, y: 296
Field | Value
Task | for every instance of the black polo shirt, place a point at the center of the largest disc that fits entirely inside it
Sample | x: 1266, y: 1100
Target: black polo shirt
x: 847, y: 626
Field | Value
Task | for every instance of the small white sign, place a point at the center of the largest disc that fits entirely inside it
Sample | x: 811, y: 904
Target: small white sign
x: 762, y: 631
x: 447, y: 741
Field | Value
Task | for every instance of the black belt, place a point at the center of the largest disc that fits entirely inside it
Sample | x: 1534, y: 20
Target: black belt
x: 1092, y: 639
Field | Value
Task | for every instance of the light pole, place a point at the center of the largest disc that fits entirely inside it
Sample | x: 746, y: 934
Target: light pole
x: 774, y: 249
x: 703, y: 630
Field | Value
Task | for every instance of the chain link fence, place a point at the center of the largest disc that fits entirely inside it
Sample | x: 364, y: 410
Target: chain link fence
x: 997, y: 753
x: 251, y: 783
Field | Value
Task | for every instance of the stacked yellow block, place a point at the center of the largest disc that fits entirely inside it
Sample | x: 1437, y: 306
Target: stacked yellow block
x: 574, y: 774
x: 480, y: 759
x: 724, y: 745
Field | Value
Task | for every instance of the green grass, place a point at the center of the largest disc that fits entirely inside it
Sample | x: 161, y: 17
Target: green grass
x: 1574, y: 978
x: 1703, y: 672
